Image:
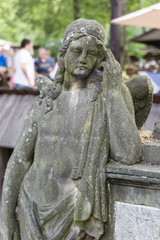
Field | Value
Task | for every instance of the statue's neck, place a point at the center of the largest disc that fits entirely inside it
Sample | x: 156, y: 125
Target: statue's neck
x: 74, y: 82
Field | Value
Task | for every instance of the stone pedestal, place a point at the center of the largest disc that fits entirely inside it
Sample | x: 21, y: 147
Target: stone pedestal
x: 134, y: 202
x: 151, y: 152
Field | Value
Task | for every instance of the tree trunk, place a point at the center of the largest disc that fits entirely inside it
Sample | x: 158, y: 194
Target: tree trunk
x: 124, y: 58
x: 116, y: 6
x: 76, y: 9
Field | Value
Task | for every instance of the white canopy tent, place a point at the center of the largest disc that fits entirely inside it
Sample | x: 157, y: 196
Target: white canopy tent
x: 146, y: 17
x: 3, y: 42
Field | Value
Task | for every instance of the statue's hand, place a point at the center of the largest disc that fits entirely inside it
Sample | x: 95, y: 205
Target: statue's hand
x: 11, y: 230
x: 112, y: 74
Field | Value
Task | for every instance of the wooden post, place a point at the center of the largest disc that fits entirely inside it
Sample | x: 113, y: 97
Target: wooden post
x: 116, y: 6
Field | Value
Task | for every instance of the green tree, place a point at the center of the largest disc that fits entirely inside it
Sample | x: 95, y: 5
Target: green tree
x: 44, y: 21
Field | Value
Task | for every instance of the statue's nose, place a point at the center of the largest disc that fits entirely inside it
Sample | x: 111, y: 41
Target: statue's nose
x: 83, y: 58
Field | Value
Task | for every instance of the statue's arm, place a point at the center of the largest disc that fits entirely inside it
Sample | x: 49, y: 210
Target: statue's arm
x: 125, y: 141
x: 17, y: 167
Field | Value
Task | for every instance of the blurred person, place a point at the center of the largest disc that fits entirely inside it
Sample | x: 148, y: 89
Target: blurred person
x: 44, y: 63
x: 3, y: 63
x: 52, y: 74
x: 3, y: 69
x: 53, y: 64
x: 23, y: 63
x: 50, y: 58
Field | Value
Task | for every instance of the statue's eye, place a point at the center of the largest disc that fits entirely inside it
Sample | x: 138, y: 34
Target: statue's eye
x: 78, y: 51
x: 92, y: 53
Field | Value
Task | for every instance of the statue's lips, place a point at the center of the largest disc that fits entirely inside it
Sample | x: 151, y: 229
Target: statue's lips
x: 82, y: 68
x: 80, y: 71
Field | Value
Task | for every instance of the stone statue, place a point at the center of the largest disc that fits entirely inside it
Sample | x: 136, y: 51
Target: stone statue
x: 55, y: 182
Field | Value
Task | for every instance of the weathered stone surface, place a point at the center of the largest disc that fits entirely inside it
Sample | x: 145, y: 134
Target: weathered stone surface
x: 151, y: 152
x: 138, y: 170
x: 142, y: 94
x: 137, y: 185
x: 156, y: 131
x: 136, y: 222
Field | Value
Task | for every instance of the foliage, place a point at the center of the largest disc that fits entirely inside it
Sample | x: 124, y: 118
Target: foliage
x: 44, y: 21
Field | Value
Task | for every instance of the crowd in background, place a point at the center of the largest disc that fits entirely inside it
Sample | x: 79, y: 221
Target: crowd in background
x: 20, y: 69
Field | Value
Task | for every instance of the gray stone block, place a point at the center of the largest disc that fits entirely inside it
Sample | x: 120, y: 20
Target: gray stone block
x: 136, y: 222
x: 151, y: 152
x: 134, y: 202
x: 156, y: 134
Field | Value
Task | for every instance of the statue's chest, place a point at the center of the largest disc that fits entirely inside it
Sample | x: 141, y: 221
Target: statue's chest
x: 67, y: 117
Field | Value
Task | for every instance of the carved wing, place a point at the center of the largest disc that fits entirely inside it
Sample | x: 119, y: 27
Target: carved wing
x: 42, y: 82
x: 47, y: 87
x: 141, y: 91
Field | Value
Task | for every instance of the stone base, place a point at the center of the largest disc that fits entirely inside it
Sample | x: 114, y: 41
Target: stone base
x: 151, y: 152
x: 136, y: 222
x: 134, y: 202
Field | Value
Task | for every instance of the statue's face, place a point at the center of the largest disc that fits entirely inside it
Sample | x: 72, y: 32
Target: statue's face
x: 81, y: 57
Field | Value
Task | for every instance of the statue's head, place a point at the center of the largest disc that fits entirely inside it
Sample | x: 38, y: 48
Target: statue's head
x: 82, y: 49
